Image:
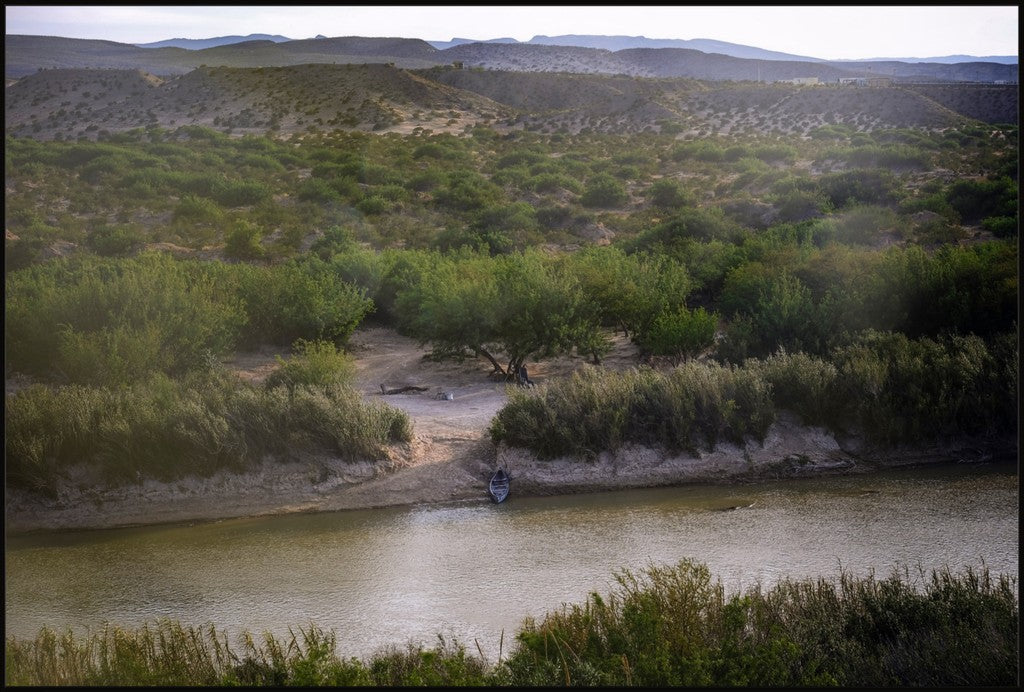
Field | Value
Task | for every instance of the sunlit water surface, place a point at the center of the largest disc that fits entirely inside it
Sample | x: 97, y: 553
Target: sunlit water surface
x: 473, y: 571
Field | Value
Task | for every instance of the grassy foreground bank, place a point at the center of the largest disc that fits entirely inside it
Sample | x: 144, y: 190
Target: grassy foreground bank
x: 662, y: 626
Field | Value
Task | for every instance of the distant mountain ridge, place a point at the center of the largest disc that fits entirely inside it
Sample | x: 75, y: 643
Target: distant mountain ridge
x: 442, y: 45
x: 611, y: 43
x: 200, y: 43
x: 946, y: 59
x: 24, y: 55
x: 705, y: 45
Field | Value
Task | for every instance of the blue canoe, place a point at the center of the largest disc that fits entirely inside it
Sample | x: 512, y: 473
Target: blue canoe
x: 498, y: 487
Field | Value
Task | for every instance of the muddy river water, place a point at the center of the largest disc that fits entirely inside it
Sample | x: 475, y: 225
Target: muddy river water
x: 474, y: 570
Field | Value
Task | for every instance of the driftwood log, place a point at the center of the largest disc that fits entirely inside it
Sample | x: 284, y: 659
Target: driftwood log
x: 402, y: 390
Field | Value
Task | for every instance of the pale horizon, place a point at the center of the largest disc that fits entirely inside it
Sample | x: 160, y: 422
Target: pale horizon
x: 829, y: 33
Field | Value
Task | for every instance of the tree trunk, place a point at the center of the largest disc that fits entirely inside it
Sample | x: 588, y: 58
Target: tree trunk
x: 402, y: 390
x: 497, y: 366
x: 513, y: 368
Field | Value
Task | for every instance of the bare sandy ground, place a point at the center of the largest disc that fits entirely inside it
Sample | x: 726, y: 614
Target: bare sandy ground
x: 450, y: 458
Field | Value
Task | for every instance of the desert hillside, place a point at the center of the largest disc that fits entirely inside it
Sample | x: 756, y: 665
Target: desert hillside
x: 283, y: 101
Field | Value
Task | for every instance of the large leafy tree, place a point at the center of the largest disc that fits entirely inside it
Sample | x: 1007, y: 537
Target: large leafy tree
x: 541, y: 312
x: 449, y: 306
x: 630, y: 291
x: 519, y: 306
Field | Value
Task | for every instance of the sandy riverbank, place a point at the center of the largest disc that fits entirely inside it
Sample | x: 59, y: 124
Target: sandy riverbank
x: 450, y: 457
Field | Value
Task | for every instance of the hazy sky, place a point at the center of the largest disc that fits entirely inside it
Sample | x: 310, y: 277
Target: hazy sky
x: 829, y: 32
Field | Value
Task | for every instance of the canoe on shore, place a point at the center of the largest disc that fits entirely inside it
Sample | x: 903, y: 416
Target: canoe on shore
x: 498, y: 487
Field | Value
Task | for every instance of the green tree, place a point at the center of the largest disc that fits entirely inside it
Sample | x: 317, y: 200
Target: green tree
x: 630, y: 291
x: 680, y: 333
x: 301, y: 299
x: 519, y: 305
x: 541, y: 311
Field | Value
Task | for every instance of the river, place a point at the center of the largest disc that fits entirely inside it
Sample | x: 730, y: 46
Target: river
x: 473, y: 571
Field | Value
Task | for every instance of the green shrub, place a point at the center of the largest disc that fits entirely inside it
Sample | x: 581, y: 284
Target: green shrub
x: 553, y: 182
x: 425, y: 181
x: 895, y: 156
x: 901, y: 390
x: 334, y: 240
x: 668, y: 194
x: 781, y: 308
x: 517, y: 220
x: 860, y: 186
x: 679, y: 334
x: 799, y: 205
x: 1001, y: 226
x: 433, y: 150
x: 864, y: 224
x: 976, y: 199
x: 775, y: 153
x: 193, y: 210
x: 88, y: 318
x: 243, y: 242
x: 300, y: 299
x: 686, y: 225
x: 939, y: 231
x: 604, y: 191
x: 954, y: 289
x: 317, y: 190
x: 804, y: 384
x: 112, y: 241
x: 239, y: 193
x: 519, y: 158
x: 673, y: 626
x: 373, y: 205
x: 467, y: 191
x: 702, y: 150
x: 313, y: 364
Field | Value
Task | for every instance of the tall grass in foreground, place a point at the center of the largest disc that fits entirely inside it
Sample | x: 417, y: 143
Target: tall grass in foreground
x: 664, y: 626
x: 676, y: 626
x: 167, y: 429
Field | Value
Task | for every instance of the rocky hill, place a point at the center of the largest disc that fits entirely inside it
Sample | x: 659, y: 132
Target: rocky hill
x: 988, y: 103
x: 282, y: 100
x: 73, y: 103
x: 24, y: 55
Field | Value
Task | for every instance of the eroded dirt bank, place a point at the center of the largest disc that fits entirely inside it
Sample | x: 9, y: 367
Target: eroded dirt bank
x: 450, y: 457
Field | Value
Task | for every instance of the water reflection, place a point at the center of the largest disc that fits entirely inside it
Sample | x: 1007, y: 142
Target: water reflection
x: 474, y: 570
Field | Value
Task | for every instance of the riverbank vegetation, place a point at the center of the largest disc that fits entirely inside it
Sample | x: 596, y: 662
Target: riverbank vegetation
x: 865, y: 279
x: 167, y: 429
x: 885, y: 385
x: 662, y: 626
